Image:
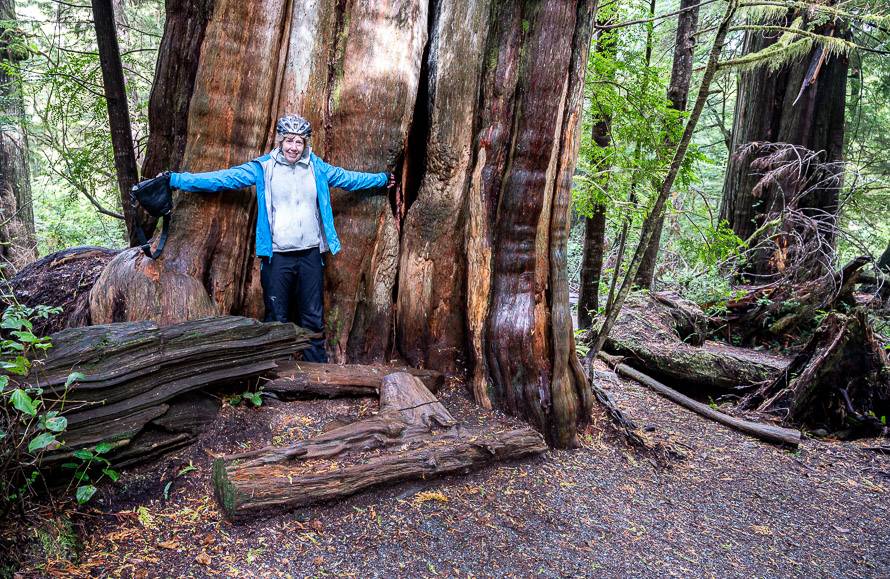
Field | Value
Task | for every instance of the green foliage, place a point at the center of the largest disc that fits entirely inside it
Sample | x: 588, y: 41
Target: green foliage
x: 254, y: 397
x: 75, y: 189
x: 31, y: 423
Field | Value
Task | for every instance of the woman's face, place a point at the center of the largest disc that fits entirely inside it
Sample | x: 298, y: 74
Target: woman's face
x: 292, y: 146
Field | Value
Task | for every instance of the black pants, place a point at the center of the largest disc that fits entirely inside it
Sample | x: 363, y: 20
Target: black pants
x: 293, y: 285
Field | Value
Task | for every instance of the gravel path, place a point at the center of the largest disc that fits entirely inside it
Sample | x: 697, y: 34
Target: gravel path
x: 733, y: 507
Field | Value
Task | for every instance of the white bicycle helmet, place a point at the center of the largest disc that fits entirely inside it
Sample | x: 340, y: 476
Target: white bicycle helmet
x: 293, y: 125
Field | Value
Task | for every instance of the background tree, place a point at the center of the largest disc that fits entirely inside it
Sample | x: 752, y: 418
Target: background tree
x: 796, y: 95
x: 17, y: 242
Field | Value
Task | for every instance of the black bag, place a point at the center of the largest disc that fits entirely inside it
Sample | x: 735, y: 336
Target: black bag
x: 156, y: 197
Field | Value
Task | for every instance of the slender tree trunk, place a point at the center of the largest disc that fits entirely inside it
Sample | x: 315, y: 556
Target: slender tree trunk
x: 594, y: 246
x: 591, y: 265
x: 678, y: 94
x: 118, y: 109
x: 682, y: 147
x: 800, y: 104
x: 17, y: 239
x: 492, y: 115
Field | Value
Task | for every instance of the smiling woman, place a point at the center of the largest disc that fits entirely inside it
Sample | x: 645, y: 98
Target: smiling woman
x: 295, y: 224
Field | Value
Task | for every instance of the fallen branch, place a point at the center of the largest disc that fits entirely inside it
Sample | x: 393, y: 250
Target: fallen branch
x: 765, y: 432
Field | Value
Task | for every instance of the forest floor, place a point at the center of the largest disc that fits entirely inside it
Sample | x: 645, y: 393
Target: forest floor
x: 732, y: 507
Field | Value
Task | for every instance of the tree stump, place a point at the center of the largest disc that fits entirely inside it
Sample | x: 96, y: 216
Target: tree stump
x: 839, y: 382
x: 62, y: 279
x: 413, y: 436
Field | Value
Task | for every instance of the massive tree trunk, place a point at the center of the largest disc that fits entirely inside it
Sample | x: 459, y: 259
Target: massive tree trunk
x: 17, y: 241
x: 466, y: 265
x: 800, y: 104
x: 678, y: 94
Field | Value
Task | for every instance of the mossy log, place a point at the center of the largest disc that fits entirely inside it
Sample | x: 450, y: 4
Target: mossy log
x: 663, y: 336
x: 299, y: 379
x: 413, y: 436
x: 135, y: 376
x: 839, y: 382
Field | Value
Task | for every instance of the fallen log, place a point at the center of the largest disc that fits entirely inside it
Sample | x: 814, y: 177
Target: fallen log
x: 62, y: 279
x: 412, y: 436
x: 663, y: 336
x: 298, y: 379
x: 781, y: 307
x: 767, y: 432
x: 840, y: 381
x: 135, y: 379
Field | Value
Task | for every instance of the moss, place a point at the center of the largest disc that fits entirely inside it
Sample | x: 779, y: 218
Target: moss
x: 56, y: 539
x: 225, y: 492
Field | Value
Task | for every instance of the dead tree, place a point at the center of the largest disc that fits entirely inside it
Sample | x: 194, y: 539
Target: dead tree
x: 801, y: 104
x: 134, y: 378
x: 839, y: 382
x: 412, y: 436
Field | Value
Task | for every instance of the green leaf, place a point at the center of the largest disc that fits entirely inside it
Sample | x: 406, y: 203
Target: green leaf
x: 111, y: 473
x: 13, y: 323
x: 167, y: 490
x: 41, y: 441
x: 73, y: 377
x: 83, y: 454
x: 103, y: 447
x: 57, y: 423
x: 186, y: 469
x: 70, y: 465
x: 4, y: 382
x: 22, y: 402
x: 25, y: 337
x: 18, y: 366
x: 85, y: 493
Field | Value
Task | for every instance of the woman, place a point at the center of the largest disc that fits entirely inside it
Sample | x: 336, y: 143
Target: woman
x: 295, y: 223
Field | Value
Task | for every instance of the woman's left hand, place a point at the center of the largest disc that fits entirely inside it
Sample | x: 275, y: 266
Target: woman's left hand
x: 391, y: 182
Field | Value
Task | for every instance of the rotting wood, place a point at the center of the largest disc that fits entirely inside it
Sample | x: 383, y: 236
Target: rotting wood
x: 767, y: 432
x: 135, y: 375
x: 663, y: 335
x: 840, y: 381
x: 299, y: 379
x: 413, y: 436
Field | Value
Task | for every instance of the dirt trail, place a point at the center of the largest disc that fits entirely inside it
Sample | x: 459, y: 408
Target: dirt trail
x: 734, y: 507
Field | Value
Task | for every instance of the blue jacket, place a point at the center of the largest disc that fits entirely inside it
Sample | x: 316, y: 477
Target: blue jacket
x: 252, y: 173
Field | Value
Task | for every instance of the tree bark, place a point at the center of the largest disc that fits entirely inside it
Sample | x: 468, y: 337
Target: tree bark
x: 308, y: 379
x: 18, y: 244
x: 800, y: 104
x: 678, y: 94
x: 118, y: 110
x: 496, y: 136
x: 413, y: 436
